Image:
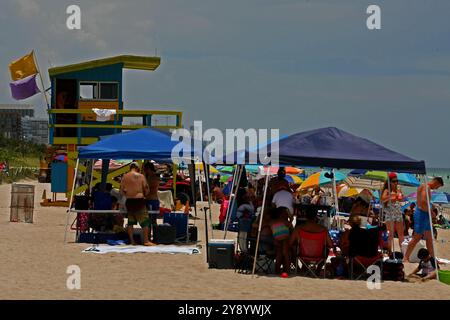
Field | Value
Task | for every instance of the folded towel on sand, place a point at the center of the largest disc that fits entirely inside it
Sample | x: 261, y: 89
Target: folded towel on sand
x: 136, y: 249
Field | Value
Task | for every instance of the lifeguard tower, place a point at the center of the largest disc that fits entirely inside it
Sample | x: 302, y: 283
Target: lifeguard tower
x: 87, y: 103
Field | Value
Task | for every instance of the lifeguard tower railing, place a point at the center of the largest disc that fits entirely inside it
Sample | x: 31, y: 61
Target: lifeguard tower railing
x: 117, y: 123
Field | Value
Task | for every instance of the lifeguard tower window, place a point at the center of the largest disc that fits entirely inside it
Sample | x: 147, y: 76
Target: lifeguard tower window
x: 99, y: 91
x: 109, y: 90
x: 88, y: 90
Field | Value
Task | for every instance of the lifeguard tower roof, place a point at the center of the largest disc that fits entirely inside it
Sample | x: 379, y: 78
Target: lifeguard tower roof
x: 127, y: 61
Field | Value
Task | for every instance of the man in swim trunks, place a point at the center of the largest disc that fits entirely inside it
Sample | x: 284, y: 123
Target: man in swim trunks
x: 422, y: 226
x: 134, y: 187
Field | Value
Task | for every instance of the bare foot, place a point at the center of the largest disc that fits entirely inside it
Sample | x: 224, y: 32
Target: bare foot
x: 149, y: 244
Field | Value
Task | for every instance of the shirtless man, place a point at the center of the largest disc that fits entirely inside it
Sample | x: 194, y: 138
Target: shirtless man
x: 153, y: 180
x: 421, y: 216
x: 134, y: 187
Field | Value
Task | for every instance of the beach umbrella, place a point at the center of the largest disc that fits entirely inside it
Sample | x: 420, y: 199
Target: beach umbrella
x: 252, y: 168
x: 319, y: 179
x: 293, y: 179
x: 225, y: 178
x: 405, y: 179
x: 344, y: 190
x: 293, y: 170
x: 228, y: 169
x: 112, y: 164
x: 199, y: 166
x: 362, y: 183
x: 61, y: 157
x: 436, y: 197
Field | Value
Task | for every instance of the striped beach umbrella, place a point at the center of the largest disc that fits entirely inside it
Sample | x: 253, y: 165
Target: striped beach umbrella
x: 405, y: 179
x: 362, y: 183
x: 293, y: 179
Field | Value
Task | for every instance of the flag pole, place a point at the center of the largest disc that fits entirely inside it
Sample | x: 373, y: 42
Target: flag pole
x: 42, y: 81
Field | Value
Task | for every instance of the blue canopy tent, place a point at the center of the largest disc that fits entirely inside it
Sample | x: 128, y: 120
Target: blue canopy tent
x: 330, y: 148
x: 334, y: 148
x: 146, y: 144
x: 142, y: 144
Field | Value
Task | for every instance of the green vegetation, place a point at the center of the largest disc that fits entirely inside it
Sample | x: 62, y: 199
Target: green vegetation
x: 21, y: 156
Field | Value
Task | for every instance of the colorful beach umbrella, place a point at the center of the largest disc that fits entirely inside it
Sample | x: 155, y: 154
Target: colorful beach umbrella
x: 436, y: 197
x: 293, y: 170
x: 293, y: 179
x: 228, y: 169
x: 225, y: 178
x: 199, y: 166
x: 405, y: 179
x: 319, y: 179
x: 344, y: 190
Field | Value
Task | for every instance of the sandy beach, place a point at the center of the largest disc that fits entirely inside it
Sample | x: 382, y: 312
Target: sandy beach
x: 34, y: 262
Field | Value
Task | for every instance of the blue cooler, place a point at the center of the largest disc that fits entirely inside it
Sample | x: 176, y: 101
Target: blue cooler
x: 221, y: 254
x: 179, y: 220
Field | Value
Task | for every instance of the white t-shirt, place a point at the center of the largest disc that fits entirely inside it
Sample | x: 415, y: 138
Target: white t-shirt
x: 284, y: 198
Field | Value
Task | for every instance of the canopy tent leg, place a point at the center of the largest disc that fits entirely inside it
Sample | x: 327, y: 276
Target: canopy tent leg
x: 392, y: 245
x: 240, y: 169
x: 205, y: 170
x: 260, y: 220
x: 105, y: 170
x: 431, y: 224
x: 71, y: 200
x: 91, y: 178
x: 200, y: 185
x: 208, y: 193
x: 229, y: 198
x: 194, y: 194
x: 336, y: 204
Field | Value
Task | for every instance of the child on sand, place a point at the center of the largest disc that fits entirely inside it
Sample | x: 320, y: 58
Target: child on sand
x: 426, y: 267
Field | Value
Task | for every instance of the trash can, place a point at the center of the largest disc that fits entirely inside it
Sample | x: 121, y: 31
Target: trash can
x: 22, y: 203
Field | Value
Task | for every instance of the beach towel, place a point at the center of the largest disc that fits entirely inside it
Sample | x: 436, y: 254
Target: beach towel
x: 137, y: 249
x: 104, y: 114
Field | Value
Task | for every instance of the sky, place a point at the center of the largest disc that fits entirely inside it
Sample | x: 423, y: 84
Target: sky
x: 292, y: 65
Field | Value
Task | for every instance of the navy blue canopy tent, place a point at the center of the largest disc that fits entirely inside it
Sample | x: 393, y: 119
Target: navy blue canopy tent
x: 146, y: 144
x: 335, y: 148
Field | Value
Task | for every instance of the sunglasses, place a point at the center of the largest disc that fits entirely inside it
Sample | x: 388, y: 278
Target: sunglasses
x: 394, y: 181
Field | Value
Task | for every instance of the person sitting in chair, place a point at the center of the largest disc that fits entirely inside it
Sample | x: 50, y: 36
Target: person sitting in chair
x: 310, y: 226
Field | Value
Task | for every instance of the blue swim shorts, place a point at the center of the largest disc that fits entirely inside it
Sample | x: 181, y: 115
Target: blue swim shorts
x: 421, y: 221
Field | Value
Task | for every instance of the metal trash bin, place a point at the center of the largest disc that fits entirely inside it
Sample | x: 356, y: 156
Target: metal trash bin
x: 22, y: 203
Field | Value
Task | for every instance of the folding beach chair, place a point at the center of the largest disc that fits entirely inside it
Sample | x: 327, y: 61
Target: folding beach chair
x: 368, y: 256
x: 264, y: 262
x: 312, y: 251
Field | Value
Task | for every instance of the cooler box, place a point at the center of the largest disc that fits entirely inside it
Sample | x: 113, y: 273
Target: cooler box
x: 221, y: 254
x: 179, y: 220
x: 164, y: 234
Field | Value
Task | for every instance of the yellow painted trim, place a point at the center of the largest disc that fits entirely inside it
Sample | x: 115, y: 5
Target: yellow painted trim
x: 74, y: 140
x: 128, y: 61
x: 119, y: 112
x: 108, y: 126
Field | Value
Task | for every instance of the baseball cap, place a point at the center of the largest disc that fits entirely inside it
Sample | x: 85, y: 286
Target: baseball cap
x: 392, y: 175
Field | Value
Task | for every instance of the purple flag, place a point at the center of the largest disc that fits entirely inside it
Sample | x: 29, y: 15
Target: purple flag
x: 24, y: 88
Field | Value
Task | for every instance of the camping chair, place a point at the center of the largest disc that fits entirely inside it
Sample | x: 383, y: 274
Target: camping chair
x: 367, y: 257
x: 264, y: 262
x: 312, y: 251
